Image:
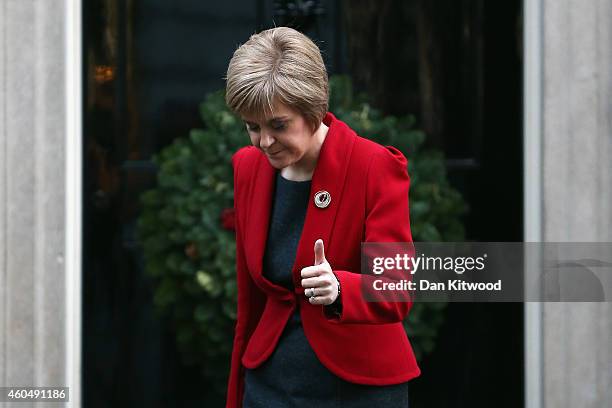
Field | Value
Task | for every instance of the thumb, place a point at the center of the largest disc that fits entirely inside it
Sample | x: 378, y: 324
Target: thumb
x: 319, y: 251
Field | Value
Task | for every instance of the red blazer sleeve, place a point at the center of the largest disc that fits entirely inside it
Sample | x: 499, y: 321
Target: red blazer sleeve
x: 251, y: 302
x: 387, y: 220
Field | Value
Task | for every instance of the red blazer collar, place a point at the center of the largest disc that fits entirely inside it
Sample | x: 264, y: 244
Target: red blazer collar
x: 328, y: 175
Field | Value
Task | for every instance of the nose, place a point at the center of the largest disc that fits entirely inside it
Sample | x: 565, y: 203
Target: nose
x: 266, y: 140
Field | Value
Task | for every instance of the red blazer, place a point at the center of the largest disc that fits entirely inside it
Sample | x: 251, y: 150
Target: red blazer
x: 369, y: 186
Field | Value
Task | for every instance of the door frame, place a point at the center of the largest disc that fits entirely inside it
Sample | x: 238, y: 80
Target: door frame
x: 73, y: 32
x: 533, y: 32
x: 532, y: 203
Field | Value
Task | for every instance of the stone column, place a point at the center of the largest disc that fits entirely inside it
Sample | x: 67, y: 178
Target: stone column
x: 36, y: 348
x: 576, y: 179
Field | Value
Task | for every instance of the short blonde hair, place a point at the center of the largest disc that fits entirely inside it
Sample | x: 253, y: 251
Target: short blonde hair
x: 280, y: 64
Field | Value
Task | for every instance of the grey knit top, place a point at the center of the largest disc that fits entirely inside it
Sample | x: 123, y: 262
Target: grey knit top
x: 286, y: 223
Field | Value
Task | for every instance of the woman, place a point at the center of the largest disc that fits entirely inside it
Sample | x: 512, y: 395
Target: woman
x: 306, y: 194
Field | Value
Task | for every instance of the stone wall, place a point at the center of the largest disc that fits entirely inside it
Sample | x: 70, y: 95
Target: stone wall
x: 577, y: 191
x: 32, y: 191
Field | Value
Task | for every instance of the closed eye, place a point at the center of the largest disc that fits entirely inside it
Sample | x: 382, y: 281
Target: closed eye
x: 277, y: 127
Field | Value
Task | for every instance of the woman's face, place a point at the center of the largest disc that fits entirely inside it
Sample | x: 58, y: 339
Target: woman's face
x: 284, y: 137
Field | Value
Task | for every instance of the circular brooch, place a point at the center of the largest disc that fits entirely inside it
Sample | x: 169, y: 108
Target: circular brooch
x: 322, y: 199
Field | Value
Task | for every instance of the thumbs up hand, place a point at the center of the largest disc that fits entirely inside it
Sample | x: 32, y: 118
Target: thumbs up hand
x: 319, y: 282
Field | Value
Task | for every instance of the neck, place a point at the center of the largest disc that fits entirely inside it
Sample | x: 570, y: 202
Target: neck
x: 304, y: 168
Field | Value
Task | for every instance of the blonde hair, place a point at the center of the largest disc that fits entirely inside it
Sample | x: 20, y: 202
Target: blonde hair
x: 279, y: 64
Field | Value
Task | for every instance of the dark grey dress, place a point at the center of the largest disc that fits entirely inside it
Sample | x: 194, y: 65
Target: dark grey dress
x: 293, y: 376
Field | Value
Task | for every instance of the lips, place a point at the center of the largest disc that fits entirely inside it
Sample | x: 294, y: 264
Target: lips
x: 274, y: 153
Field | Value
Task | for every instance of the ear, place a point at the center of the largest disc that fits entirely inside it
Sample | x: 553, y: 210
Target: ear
x: 314, y: 126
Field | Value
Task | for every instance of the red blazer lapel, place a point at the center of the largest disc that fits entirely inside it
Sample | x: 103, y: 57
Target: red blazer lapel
x: 258, y: 220
x: 329, y: 175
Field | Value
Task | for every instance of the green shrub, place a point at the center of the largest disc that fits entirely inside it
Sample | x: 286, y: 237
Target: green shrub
x: 188, y: 244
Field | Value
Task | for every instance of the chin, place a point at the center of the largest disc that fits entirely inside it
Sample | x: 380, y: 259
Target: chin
x: 278, y: 164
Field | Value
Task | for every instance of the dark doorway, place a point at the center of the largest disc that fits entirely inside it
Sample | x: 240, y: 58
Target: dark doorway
x: 455, y: 64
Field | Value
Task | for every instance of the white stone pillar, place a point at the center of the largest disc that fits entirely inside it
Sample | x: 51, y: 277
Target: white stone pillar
x: 39, y: 127
x: 572, y: 175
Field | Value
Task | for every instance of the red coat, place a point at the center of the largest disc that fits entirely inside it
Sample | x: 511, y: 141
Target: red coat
x: 369, y: 186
